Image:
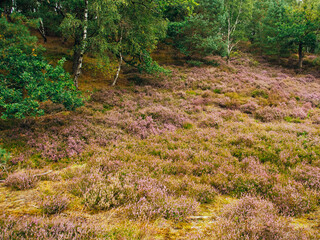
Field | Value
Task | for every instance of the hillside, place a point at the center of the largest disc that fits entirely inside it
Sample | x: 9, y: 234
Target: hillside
x: 207, y: 152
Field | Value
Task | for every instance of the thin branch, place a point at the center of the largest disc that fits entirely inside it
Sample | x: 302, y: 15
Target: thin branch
x: 42, y: 174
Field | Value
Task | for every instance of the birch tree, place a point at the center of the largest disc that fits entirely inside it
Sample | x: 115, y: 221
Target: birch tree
x: 83, y: 44
x: 237, y: 16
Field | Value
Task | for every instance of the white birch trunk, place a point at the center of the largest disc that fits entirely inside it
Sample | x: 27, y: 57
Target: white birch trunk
x: 120, y: 61
x: 118, y: 71
x: 83, y: 46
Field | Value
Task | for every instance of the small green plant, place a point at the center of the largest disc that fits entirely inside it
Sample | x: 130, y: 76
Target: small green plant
x: 4, y: 156
x: 217, y: 90
x: 302, y: 134
x: 187, y: 125
x: 260, y: 93
x: 293, y: 120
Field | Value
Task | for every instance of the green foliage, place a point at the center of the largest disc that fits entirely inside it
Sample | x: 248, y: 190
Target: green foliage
x: 199, y: 34
x: 216, y: 27
x: 283, y: 27
x: 26, y: 79
x: 150, y: 66
x: 4, y: 156
x: 187, y: 125
x: 259, y: 93
x: 217, y: 90
x: 130, y: 28
x: 195, y: 63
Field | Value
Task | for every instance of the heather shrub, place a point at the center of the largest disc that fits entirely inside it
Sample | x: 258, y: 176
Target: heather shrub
x: 252, y: 218
x: 250, y: 176
x: 54, y: 204
x: 212, y: 120
x: 177, y: 168
x: 21, y: 180
x: 315, y: 116
x: 39, y: 228
x: 165, y: 115
x: 269, y: 114
x: 244, y: 140
x: 169, y: 208
x: 249, y: 107
x: 108, y: 97
x: 292, y: 199
x: 229, y: 103
x: 114, y: 191
x: 59, y: 141
x: 144, y: 197
x: 203, y: 193
x: 308, y: 175
x: 300, y: 113
x: 108, y: 165
x: 143, y: 127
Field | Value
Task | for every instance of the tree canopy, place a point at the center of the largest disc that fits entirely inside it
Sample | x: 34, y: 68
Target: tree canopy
x: 26, y: 78
x: 127, y: 31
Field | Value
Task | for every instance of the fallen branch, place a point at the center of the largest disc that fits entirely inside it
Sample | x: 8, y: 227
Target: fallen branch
x: 42, y: 174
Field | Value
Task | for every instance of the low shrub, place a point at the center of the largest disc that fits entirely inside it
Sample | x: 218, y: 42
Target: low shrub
x: 54, y: 204
x: 144, y: 127
x: 4, y: 156
x: 21, y: 181
x: 39, y: 228
x: 203, y: 193
x: 168, y: 208
x: 249, y: 107
x: 143, y: 197
x: 253, y: 218
x: 269, y: 114
x: 110, y: 193
x: 212, y: 120
x: 308, y: 175
x: 292, y: 199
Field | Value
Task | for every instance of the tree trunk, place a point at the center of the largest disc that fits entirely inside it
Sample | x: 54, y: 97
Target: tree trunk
x: 120, y: 61
x: 76, y: 57
x: 118, y: 71
x: 300, y: 55
x: 82, y: 48
x: 42, y: 31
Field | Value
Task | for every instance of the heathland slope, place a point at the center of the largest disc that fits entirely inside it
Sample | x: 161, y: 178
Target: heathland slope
x: 212, y: 151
